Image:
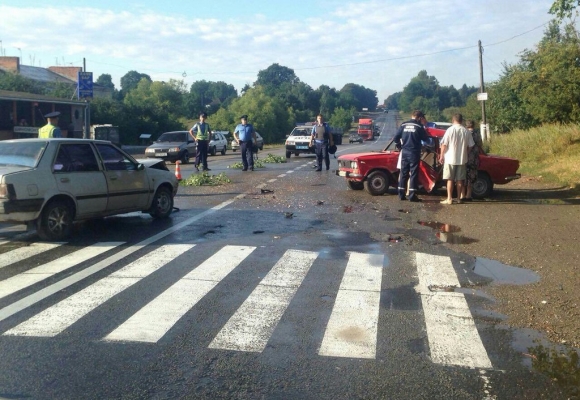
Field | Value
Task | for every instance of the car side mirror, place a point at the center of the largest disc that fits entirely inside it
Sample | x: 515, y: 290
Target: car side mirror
x: 140, y: 167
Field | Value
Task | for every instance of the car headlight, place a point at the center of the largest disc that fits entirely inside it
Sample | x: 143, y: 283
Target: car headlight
x: 353, y: 165
x: 7, y: 191
x: 290, y: 142
x: 149, y: 150
x: 174, y: 150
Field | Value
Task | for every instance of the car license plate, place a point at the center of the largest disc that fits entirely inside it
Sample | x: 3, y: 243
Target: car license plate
x: 341, y: 173
x: 160, y: 154
x: 301, y: 147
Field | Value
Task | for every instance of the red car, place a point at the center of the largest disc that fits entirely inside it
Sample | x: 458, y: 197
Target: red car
x: 376, y: 171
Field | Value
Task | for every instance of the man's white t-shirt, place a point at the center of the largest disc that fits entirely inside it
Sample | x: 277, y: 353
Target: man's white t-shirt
x: 457, y: 139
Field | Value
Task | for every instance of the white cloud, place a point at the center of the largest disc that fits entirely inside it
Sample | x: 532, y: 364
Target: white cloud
x: 166, y: 46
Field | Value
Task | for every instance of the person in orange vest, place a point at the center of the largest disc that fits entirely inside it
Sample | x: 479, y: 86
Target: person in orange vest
x: 51, y: 129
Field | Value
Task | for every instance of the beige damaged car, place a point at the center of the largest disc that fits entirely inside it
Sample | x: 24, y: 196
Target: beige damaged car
x: 49, y: 183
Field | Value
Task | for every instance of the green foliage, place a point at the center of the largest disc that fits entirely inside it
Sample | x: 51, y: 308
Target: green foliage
x: 561, y: 367
x: 239, y: 165
x: 342, y: 118
x: 131, y: 79
x: 206, y: 179
x: 543, y: 87
x: 353, y: 95
x: 205, y: 96
x: 564, y: 8
x: 273, y: 159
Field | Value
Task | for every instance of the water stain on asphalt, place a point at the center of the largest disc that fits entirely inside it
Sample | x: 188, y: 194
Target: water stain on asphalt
x: 353, y: 333
x: 446, y: 233
x: 504, y: 274
x: 404, y: 298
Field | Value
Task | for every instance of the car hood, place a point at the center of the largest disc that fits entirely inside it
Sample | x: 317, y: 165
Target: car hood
x: 148, y: 162
x: 163, y: 145
x: 368, y: 155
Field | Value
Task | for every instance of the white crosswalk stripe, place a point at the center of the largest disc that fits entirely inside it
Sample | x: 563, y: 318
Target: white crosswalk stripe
x: 35, y: 275
x: 453, y: 336
x: 351, y: 330
x: 249, y: 329
x: 154, y: 320
x: 57, y: 318
x: 22, y: 253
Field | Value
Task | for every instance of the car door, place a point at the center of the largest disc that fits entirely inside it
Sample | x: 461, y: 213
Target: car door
x: 223, y: 142
x: 77, y: 173
x: 190, y: 144
x: 128, y: 185
x: 429, y: 167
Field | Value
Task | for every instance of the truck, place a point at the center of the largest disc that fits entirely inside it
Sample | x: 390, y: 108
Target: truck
x: 106, y: 132
x: 366, y: 128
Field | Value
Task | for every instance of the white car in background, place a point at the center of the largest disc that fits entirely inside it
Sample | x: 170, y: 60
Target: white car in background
x: 259, y: 143
x: 50, y: 183
x: 218, y: 143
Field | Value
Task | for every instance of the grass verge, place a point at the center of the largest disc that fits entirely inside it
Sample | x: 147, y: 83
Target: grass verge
x: 551, y: 152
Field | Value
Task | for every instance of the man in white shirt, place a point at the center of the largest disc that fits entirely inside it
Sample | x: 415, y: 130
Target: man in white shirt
x: 454, y: 147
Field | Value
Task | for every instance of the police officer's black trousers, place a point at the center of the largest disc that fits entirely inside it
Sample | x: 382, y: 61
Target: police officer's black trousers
x: 409, y: 171
x: 201, y: 154
x: 247, y: 154
x: 321, y: 149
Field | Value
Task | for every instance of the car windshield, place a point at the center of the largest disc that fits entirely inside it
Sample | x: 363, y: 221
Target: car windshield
x: 364, y: 127
x: 172, y: 137
x: 22, y: 153
x: 300, y: 132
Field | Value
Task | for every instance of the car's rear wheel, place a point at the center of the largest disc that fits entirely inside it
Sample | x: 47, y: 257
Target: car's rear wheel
x: 55, y: 222
x: 483, y: 186
x: 224, y: 151
x: 288, y: 154
x: 162, y: 205
x: 377, y: 183
x: 262, y: 147
x: 355, y: 185
x: 185, y: 157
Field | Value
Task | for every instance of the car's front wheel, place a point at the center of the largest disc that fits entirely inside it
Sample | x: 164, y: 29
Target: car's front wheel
x: 377, y: 183
x: 355, y: 185
x: 262, y: 147
x: 162, y: 205
x: 185, y: 157
x: 224, y: 151
x: 482, y: 187
x: 288, y: 154
x: 55, y: 222
x: 213, y: 151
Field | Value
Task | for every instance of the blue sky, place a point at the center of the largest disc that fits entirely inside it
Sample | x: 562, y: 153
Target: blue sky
x: 326, y: 42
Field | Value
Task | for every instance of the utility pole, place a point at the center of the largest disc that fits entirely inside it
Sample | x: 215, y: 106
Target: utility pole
x: 87, y: 133
x: 484, y: 128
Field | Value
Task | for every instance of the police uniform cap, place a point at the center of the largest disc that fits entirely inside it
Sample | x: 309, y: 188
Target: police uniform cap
x: 203, y: 115
x: 52, y: 114
x: 244, y: 116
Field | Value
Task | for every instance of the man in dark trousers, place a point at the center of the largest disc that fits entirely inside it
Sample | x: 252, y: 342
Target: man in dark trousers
x: 321, y: 137
x: 201, y: 133
x: 245, y: 135
x: 408, y: 137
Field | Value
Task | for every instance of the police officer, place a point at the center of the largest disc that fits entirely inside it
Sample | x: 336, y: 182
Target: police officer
x: 408, y: 137
x: 51, y: 129
x: 322, y: 138
x: 201, y: 133
x: 245, y: 136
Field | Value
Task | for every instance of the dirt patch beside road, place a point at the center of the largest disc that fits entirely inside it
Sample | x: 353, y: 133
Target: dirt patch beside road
x: 536, y: 226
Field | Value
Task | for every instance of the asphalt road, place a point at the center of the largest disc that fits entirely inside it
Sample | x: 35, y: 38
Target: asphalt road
x: 280, y: 285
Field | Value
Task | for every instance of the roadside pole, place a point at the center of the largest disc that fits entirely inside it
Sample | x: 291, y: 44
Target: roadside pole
x: 482, y: 96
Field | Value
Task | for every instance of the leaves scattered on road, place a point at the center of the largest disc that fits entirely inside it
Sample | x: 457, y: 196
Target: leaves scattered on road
x: 206, y: 179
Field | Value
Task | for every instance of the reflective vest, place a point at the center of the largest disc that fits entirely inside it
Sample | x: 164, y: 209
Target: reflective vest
x: 46, y: 131
x: 201, y: 133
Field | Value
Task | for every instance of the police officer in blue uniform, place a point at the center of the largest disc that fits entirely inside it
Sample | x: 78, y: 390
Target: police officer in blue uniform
x: 245, y: 135
x: 408, y: 137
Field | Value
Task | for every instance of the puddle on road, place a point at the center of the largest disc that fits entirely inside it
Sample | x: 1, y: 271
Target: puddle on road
x: 446, y: 233
x: 504, y: 274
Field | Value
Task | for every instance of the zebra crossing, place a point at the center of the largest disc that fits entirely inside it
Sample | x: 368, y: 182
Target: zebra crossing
x: 351, y: 330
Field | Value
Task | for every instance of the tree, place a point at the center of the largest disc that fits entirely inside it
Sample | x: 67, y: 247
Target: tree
x: 360, y: 96
x: 564, y: 8
x: 275, y: 75
x: 105, y: 80
x: 130, y: 80
x: 341, y: 118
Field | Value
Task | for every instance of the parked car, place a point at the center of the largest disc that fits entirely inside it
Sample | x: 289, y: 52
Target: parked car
x: 173, y: 146
x: 259, y: 143
x: 49, y: 183
x: 376, y: 171
x: 439, y: 125
x: 355, y: 138
x: 299, y: 141
x: 218, y: 143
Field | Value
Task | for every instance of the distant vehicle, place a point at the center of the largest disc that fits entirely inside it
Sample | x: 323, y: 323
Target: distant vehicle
x: 298, y: 142
x: 50, y: 183
x: 376, y: 172
x: 173, y: 146
x: 355, y: 138
x: 259, y: 143
x: 366, y: 128
x: 218, y: 143
x: 439, y: 125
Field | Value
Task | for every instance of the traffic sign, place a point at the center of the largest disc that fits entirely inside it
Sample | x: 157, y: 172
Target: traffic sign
x: 482, y: 96
x: 85, y: 85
